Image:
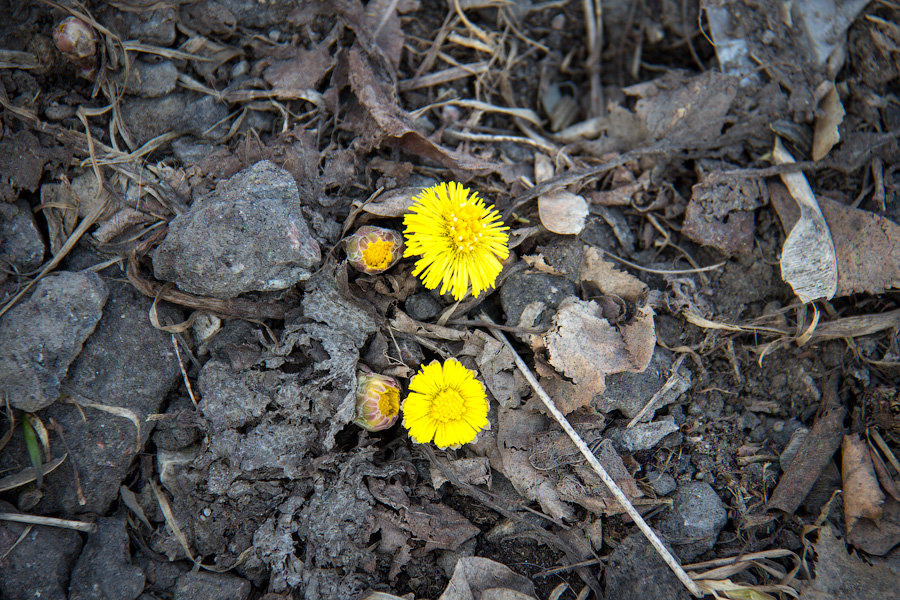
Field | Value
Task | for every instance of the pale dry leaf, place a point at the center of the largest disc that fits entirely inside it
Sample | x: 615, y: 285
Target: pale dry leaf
x: 563, y: 212
x: 607, y: 278
x: 863, y: 497
x: 826, y: 134
x: 543, y: 168
x: 392, y: 203
x: 476, y: 578
x: 539, y: 263
x: 840, y: 575
x: 808, y: 261
x: 474, y: 471
x: 878, y: 538
x: 495, y: 367
x: 585, y: 347
x: 438, y: 525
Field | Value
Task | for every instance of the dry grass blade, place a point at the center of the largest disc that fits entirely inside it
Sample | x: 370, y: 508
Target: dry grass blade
x: 12, y: 423
x: 48, y: 521
x: 614, y: 489
x: 113, y: 410
x: 28, y: 474
x: 18, y: 541
x: 170, y: 519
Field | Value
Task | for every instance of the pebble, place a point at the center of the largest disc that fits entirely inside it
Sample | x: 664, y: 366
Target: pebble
x: 422, y: 306
x: 693, y: 522
x: 642, y: 436
x: 661, y: 483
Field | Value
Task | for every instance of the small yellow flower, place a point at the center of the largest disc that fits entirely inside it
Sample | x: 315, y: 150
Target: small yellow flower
x: 446, y: 403
x: 459, y: 238
x: 373, y: 250
x: 377, y: 401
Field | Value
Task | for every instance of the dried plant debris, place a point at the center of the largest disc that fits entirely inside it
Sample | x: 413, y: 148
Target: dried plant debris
x: 866, y: 245
x: 720, y: 213
x: 872, y: 519
x: 841, y: 575
x: 585, y: 347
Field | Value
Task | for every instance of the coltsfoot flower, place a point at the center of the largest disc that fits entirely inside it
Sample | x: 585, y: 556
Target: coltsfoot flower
x: 377, y: 401
x: 446, y: 403
x: 373, y: 250
x: 461, y: 240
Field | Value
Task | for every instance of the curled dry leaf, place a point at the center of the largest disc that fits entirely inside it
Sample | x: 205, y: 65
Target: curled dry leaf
x: 607, y: 278
x: 561, y: 211
x: 862, y: 494
x: 826, y: 133
x: 392, y: 203
x: 474, y: 471
x: 476, y: 578
x: 586, y: 348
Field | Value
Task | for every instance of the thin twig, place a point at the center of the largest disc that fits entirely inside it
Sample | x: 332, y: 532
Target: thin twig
x: 670, y: 383
x: 614, y: 489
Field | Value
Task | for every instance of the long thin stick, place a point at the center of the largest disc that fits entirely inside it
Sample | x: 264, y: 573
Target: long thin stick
x: 614, y: 489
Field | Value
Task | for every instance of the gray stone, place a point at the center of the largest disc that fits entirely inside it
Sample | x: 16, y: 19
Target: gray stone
x: 127, y: 364
x: 203, y: 585
x: 151, y: 79
x: 152, y: 27
x: 249, y: 234
x: 629, y: 392
x: 693, y: 522
x: 21, y: 245
x: 642, y: 436
x: 104, y: 570
x: 40, y: 337
x: 521, y: 289
x: 232, y: 399
x: 662, y: 483
x: 180, y: 113
x: 635, y: 570
x: 422, y: 306
x: 189, y: 151
x: 39, y: 565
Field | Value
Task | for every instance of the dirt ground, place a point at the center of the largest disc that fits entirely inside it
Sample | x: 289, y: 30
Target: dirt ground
x: 703, y: 202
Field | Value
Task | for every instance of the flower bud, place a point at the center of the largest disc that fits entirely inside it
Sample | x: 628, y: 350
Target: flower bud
x: 373, y: 250
x: 75, y: 38
x: 377, y: 401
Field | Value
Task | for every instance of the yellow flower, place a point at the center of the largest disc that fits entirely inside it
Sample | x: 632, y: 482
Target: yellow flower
x: 459, y: 239
x: 446, y: 403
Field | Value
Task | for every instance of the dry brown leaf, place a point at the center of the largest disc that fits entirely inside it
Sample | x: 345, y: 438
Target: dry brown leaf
x: 539, y: 263
x: 393, y: 203
x: 474, y: 471
x: 516, y: 429
x: 826, y: 134
x: 304, y: 70
x: 866, y: 245
x: 585, y: 347
x: 495, y: 367
x: 607, y: 278
x: 380, y: 101
x: 840, y: 575
x: 563, y: 212
x: 863, y: 497
x: 383, y: 21
x: 878, y: 538
x: 439, y: 526
x: 476, y: 578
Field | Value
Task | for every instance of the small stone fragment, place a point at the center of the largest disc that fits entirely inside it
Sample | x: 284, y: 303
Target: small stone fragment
x: 693, y: 522
x: 21, y: 246
x: 422, y: 306
x: 635, y: 570
x: 104, y: 570
x: 40, y: 337
x: 212, y: 586
x: 182, y: 113
x: 642, y: 436
x: 249, y: 234
x: 151, y: 79
x: 661, y: 483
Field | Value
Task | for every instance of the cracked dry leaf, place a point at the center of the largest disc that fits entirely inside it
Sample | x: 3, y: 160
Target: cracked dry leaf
x: 476, y: 578
x: 584, y: 347
x: 862, y: 494
x: 495, y: 368
x: 441, y: 527
x: 840, y: 575
x: 607, y: 278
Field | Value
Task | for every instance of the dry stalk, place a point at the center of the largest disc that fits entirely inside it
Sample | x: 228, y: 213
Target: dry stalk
x: 611, y: 485
x: 49, y: 521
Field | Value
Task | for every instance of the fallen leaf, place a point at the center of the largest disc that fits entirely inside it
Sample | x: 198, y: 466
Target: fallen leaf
x: 862, y: 494
x: 866, y: 245
x: 878, y: 538
x: 607, y: 278
x: 392, y: 203
x: 495, y: 367
x: 439, y: 526
x: 585, y: 347
x: 563, y: 212
x: 826, y: 133
x: 474, y: 471
x: 808, y: 262
x: 476, y: 578
x: 839, y: 575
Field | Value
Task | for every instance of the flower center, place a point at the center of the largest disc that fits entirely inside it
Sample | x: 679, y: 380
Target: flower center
x: 465, y: 226
x: 377, y: 255
x: 448, y: 405
x: 389, y: 402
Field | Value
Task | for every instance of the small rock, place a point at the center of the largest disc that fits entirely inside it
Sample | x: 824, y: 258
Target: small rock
x: 128, y: 364
x: 422, y: 306
x: 38, y: 566
x: 21, y: 245
x: 662, y: 483
x: 151, y: 79
x: 636, y: 570
x: 523, y: 288
x: 152, y: 27
x: 181, y: 113
x: 57, y: 112
x: 642, y: 436
x: 40, y: 337
x: 629, y: 392
x: 247, y: 235
x: 190, y: 152
x: 104, y: 570
x: 694, y: 520
x: 212, y: 586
